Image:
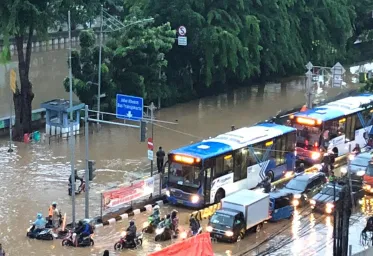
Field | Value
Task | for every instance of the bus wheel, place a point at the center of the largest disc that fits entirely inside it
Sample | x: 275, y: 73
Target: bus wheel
x: 220, y: 194
x: 271, y: 176
x: 335, y: 151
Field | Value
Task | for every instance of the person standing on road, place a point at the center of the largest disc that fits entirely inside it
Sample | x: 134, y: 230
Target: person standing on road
x: 160, y: 159
x: 56, y: 216
x: 2, y: 252
x: 106, y: 253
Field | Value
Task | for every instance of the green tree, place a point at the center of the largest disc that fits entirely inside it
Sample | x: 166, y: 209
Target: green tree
x: 138, y: 61
x: 133, y: 61
x: 223, y: 40
x: 85, y: 70
x: 22, y: 20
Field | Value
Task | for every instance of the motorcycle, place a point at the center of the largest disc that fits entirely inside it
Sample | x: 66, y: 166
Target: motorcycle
x: 149, y: 226
x: 189, y: 233
x: 81, y: 188
x: 72, y: 240
x: 123, y: 243
x: 45, y: 234
x: 163, y: 234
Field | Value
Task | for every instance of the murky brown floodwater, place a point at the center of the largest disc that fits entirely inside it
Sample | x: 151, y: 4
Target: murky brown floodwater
x: 36, y: 174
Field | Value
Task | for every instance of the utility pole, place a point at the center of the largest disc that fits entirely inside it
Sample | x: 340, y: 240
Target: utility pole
x: 152, y: 108
x: 72, y: 139
x: 99, y: 65
x: 86, y: 127
x: 309, y: 94
x: 349, y: 159
x: 334, y: 222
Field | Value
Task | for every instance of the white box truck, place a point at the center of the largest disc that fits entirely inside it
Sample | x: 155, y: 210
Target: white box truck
x: 240, y: 212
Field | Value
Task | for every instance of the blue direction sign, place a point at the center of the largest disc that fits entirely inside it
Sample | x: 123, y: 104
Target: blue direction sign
x: 130, y: 107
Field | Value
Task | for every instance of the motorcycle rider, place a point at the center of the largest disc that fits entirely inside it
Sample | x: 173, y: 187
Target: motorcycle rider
x: 76, y: 178
x: 83, y: 230
x: 2, y: 252
x: 39, y: 224
x: 266, y: 183
x: 131, y: 233
x: 156, y: 215
x: 194, y: 225
x: 300, y: 169
x: 174, y: 220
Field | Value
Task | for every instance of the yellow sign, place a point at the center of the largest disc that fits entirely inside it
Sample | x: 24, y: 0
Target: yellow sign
x: 13, y: 79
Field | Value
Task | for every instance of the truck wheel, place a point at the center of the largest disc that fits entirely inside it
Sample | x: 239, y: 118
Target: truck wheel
x: 219, y: 196
x: 258, y: 228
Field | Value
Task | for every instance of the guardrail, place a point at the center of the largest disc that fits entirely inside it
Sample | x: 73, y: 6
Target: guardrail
x: 205, y: 213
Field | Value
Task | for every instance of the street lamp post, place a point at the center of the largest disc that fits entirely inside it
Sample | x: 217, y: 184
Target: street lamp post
x: 72, y: 141
x: 113, y: 25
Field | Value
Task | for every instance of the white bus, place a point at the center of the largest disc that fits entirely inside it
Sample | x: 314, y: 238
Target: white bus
x: 333, y: 127
x: 205, y: 172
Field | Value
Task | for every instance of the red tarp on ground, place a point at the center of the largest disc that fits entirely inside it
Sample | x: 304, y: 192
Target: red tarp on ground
x: 199, y: 245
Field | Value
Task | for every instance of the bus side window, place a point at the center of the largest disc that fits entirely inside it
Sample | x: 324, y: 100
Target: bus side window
x: 245, y: 162
x: 237, y: 165
x: 350, y: 128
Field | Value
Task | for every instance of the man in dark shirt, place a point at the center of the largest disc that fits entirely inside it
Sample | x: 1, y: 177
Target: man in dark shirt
x: 160, y: 159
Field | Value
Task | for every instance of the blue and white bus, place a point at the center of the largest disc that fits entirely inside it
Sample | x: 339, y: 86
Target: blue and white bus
x: 205, y: 172
x: 333, y: 127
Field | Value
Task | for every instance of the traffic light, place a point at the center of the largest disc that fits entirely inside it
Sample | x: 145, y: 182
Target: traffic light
x: 91, y: 169
x: 143, y: 130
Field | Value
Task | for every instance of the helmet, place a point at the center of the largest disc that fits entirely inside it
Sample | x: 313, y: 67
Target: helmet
x: 39, y: 215
x: 156, y: 207
x: 174, y: 213
x: 132, y: 222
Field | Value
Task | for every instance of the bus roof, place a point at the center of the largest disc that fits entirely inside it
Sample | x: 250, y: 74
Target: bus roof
x: 233, y: 140
x: 337, y: 108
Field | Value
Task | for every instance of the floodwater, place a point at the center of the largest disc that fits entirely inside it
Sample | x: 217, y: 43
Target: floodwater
x: 34, y: 175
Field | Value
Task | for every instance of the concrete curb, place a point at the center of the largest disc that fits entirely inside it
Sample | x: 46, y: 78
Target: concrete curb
x: 134, y: 212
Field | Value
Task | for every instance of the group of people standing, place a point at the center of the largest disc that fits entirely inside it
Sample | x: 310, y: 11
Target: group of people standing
x: 54, y: 219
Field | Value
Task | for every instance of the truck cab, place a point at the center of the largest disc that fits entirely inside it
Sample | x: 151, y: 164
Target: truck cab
x: 242, y: 211
x: 227, y: 225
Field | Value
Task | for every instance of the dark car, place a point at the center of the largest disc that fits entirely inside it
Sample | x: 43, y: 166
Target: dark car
x: 226, y: 225
x: 324, y: 201
x: 304, y: 186
x: 358, y: 165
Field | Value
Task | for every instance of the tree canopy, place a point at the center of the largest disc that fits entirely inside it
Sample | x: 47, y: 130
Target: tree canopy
x: 230, y: 43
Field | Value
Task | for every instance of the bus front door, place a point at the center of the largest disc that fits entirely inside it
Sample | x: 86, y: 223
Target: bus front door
x: 207, y: 186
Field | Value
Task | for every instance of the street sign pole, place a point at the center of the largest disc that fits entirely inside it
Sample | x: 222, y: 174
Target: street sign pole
x: 86, y: 127
x: 309, y: 94
x: 152, y: 108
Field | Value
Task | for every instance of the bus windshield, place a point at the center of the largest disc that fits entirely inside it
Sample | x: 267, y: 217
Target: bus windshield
x: 184, y: 175
x: 307, y: 136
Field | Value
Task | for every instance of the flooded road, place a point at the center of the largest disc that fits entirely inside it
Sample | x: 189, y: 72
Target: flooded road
x: 35, y: 175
